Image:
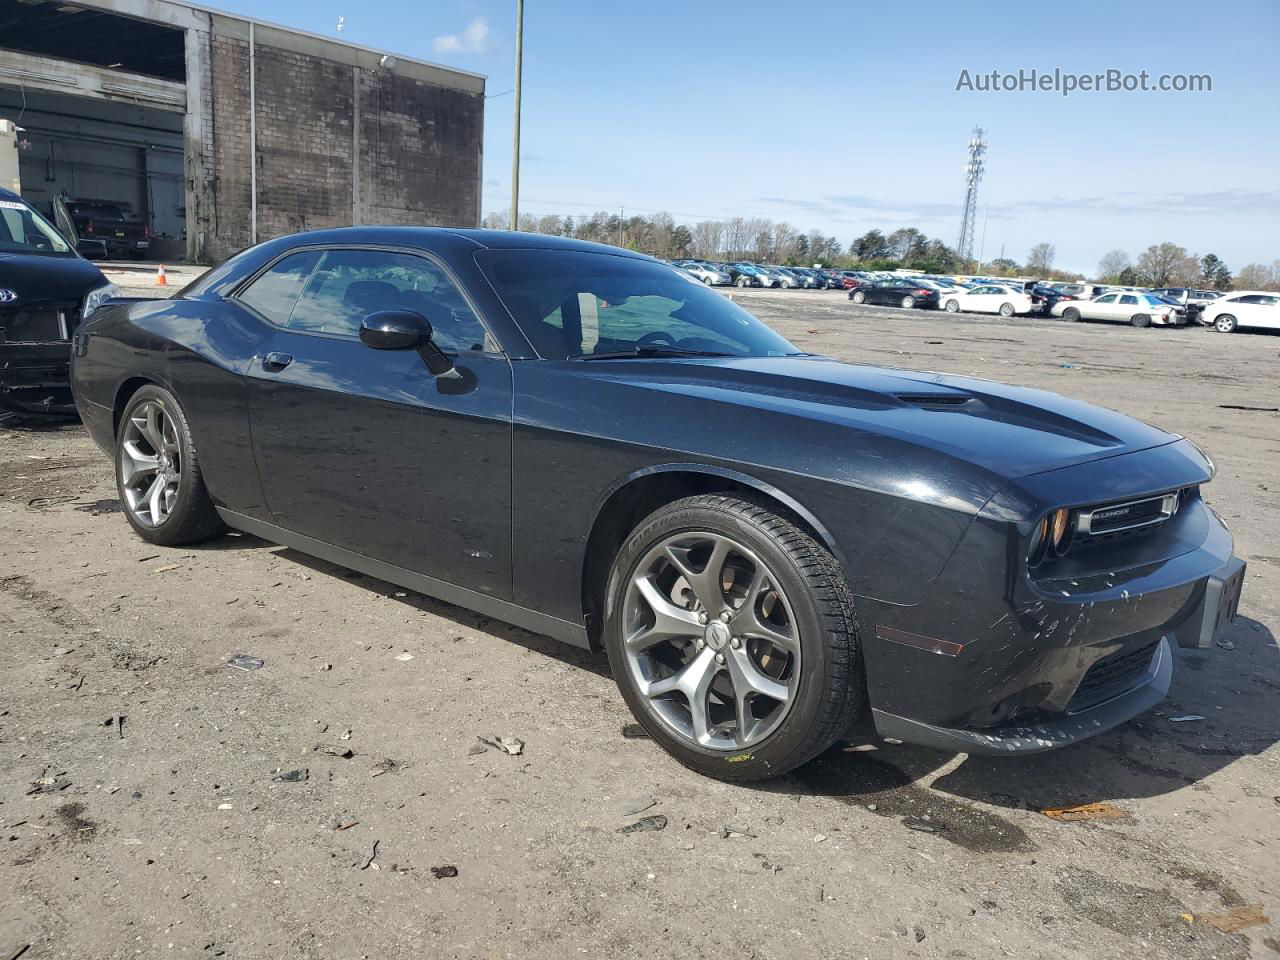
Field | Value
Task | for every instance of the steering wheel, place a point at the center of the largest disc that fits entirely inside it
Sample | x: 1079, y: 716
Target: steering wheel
x: 656, y: 336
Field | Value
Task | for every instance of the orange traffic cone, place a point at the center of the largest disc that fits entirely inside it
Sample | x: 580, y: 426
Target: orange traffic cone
x: 161, y: 279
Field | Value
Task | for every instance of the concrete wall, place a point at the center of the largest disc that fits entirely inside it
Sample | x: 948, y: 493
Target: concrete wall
x: 343, y: 134
x: 340, y: 138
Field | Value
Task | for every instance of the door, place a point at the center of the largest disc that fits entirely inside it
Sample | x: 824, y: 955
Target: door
x: 1104, y: 308
x: 365, y: 449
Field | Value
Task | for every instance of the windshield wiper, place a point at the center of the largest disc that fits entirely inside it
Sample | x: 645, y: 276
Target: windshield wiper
x: 648, y: 350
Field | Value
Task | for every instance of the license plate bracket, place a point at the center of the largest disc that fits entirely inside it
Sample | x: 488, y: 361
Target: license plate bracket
x: 1218, y: 609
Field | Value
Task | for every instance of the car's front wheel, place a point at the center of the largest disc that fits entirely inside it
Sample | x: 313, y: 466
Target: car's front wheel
x: 1140, y: 320
x: 1006, y: 310
x: 741, y: 282
x: 908, y: 302
x: 1225, y: 323
x: 730, y: 633
x: 858, y: 297
x: 953, y: 306
x: 1071, y: 314
x: 158, y: 473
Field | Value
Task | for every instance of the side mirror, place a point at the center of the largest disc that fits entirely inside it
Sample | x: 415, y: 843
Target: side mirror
x: 405, y: 330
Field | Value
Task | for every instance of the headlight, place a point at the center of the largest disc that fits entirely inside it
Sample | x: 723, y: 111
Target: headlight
x: 1051, y: 537
x: 97, y: 298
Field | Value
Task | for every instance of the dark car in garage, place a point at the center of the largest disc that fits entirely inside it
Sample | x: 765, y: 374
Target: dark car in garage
x: 896, y: 292
x: 768, y: 544
x: 45, y: 290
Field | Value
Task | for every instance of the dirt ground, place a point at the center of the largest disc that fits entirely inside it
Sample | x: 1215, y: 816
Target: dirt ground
x: 339, y: 803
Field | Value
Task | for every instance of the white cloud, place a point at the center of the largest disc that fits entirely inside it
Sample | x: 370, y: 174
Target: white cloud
x: 471, y: 40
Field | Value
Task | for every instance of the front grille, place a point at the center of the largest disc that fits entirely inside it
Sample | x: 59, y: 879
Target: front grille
x: 1106, y: 519
x: 1111, y: 676
x: 44, y: 322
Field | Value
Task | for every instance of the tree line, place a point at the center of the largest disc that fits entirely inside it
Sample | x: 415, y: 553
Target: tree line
x: 1169, y: 265
x: 762, y: 240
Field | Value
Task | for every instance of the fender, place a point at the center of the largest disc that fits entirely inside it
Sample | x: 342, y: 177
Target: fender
x: 824, y: 534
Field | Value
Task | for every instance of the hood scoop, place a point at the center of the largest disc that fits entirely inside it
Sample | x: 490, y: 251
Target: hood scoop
x: 935, y: 399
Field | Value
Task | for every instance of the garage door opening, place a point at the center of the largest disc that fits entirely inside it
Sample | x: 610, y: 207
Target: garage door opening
x: 100, y: 100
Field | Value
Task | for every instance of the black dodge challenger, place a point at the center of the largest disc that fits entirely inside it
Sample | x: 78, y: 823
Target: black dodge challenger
x: 579, y: 440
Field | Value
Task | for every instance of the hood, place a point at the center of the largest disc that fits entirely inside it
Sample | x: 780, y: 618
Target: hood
x: 35, y: 278
x: 1010, y: 431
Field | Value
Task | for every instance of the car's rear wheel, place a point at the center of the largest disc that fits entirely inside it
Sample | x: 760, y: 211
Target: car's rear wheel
x: 1071, y: 314
x: 908, y: 302
x: 1225, y: 323
x: 1006, y: 310
x: 953, y: 306
x: 730, y: 633
x: 1140, y: 320
x: 741, y: 282
x: 707, y: 281
x: 858, y: 297
x: 158, y: 473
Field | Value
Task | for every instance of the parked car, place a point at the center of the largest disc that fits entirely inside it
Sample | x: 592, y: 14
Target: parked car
x: 1244, y: 308
x: 675, y: 484
x: 1194, y: 301
x: 990, y: 298
x: 899, y: 292
x: 120, y: 232
x: 708, y: 274
x: 1139, y: 309
x: 748, y: 275
x: 45, y: 290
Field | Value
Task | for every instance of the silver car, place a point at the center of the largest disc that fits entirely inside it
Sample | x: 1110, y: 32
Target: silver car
x: 707, y: 274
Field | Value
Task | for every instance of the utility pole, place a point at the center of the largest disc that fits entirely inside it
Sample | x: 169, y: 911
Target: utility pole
x: 515, y: 147
x: 973, y: 171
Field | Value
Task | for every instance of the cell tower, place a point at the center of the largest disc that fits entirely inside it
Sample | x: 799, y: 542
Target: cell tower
x: 972, y: 177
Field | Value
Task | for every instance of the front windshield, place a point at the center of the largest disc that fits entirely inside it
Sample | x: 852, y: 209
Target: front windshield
x: 571, y: 303
x: 22, y: 230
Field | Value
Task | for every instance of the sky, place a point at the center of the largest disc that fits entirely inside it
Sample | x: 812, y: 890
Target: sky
x: 844, y: 116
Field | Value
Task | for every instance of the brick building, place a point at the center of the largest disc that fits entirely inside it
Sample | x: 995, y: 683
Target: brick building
x: 163, y: 107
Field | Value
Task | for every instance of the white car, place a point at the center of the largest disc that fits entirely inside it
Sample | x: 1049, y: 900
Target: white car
x: 708, y: 275
x: 1243, y: 308
x: 1139, y: 309
x: 987, y: 298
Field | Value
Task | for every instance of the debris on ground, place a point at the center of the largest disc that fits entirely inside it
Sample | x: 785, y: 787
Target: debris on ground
x: 166, y: 568
x: 345, y: 753
x: 923, y: 825
x: 476, y: 749
x: 1186, y: 718
x: 346, y: 824
x: 373, y: 855
x: 48, y: 784
x: 242, y: 661
x: 732, y: 833
x: 645, y: 825
x: 1086, y: 811
x: 510, y: 745
x: 441, y: 873
x: 404, y: 657
x: 630, y: 806
x: 385, y: 765
x: 633, y: 731
x: 346, y: 735
x: 292, y: 776
x: 1237, y: 919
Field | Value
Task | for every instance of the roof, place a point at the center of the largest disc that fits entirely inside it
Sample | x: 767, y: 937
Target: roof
x: 487, y: 239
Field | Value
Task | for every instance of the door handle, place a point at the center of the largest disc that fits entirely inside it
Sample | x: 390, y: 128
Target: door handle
x: 275, y: 362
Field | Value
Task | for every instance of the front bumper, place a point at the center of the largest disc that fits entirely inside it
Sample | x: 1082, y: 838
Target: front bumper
x: 35, y: 378
x: 1021, y: 664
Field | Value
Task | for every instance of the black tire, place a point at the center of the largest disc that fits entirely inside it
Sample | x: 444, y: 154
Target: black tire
x: 1225, y: 323
x: 741, y: 282
x: 193, y: 518
x: 1006, y: 310
x: 707, y: 281
x: 858, y: 296
x: 1071, y: 314
x: 830, y: 688
x: 952, y: 306
x: 908, y: 302
x: 1140, y: 320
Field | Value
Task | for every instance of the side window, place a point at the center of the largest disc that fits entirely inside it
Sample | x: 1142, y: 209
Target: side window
x: 275, y: 292
x: 351, y: 284
x: 1109, y: 298
x: 1128, y: 298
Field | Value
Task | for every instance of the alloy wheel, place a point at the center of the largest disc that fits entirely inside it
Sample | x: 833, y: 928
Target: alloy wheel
x: 711, y: 641
x: 150, y: 464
